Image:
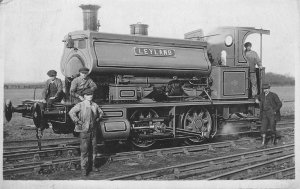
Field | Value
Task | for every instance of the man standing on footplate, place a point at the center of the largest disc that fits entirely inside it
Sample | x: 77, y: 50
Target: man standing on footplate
x: 80, y: 84
x: 270, y: 106
x: 86, y: 116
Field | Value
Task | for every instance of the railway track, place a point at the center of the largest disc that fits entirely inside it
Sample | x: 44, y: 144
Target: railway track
x: 14, y: 144
x: 210, y: 166
x: 71, y: 162
x: 66, y: 155
x: 71, y: 149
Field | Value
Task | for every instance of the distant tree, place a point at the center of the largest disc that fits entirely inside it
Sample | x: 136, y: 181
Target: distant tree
x: 2, y: 2
x: 278, y: 79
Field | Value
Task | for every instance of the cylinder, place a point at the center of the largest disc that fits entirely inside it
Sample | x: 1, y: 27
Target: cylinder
x: 90, y: 14
x: 139, y: 29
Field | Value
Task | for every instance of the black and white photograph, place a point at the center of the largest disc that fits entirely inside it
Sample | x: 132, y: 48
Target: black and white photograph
x: 149, y: 93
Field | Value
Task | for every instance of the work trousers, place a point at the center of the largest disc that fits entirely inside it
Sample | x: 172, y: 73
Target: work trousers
x: 268, y: 122
x: 253, y: 81
x: 88, y: 149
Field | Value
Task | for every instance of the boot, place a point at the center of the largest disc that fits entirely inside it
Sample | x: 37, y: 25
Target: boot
x: 263, y: 144
x: 274, y: 139
x: 84, y: 173
x: 94, y: 163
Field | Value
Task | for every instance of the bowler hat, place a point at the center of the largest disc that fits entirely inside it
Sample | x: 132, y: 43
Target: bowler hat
x: 88, y: 92
x: 266, y: 86
x: 51, y: 73
x: 84, y: 70
x: 247, y: 44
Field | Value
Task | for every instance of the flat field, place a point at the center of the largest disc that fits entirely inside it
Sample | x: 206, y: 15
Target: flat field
x: 16, y: 129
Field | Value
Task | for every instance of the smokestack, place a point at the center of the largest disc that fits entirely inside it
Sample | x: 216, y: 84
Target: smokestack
x: 139, y: 29
x: 90, y: 14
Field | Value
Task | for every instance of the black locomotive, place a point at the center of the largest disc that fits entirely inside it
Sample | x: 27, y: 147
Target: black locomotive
x: 155, y: 88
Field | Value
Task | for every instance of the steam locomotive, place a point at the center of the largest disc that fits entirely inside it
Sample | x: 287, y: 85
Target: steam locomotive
x: 152, y: 88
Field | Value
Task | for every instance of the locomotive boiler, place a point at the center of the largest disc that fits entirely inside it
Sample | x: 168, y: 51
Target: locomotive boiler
x: 152, y: 88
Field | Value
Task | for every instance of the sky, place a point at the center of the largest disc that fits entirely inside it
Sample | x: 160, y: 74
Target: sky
x: 32, y: 30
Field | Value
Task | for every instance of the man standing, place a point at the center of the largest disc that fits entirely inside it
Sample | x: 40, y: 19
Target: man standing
x: 80, y: 84
x: 53, y: 90
x: 270, y: 113
x: 252, y: 60
x: 86, y: 115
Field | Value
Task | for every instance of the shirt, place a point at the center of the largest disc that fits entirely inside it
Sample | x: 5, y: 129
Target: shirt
x: 79, y: 84
x: 46, y: 92
x: 87, y: 112
x: 252, y: 60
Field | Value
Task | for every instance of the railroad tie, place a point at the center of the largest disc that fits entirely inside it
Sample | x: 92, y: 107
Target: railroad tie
x: 211, y: 148
x: 62, y: 145
x: 186, y: 152
x: 140, y: 156
x: 233, y: 145
x: 243, y: 158
x: 70, y: 153
x: 36, y: 157
x: 279, y: 175
x: 159, y: 153
x: 176, y: 172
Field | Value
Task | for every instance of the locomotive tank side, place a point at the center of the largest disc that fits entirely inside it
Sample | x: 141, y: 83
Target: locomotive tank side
x: 115, y: 54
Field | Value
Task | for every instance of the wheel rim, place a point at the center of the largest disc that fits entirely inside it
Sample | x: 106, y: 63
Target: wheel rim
x: 198, y: 119
x: 137, y: 115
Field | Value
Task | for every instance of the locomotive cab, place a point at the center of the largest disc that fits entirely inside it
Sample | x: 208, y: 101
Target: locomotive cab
x: 226, y: 52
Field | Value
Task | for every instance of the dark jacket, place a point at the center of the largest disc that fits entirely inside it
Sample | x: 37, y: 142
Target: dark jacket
x: 275, y: 103
x: 59, y: 86
x: 78, y: 85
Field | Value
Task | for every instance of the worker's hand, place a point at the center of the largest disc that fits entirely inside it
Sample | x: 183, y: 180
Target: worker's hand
x: 43, y: 101
x: 81, y: 98
x: 52, y: 98
x: 257, y: 101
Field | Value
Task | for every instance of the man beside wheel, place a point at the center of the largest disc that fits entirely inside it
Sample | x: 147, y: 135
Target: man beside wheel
x: 86, y: 116
x: 270, y: 113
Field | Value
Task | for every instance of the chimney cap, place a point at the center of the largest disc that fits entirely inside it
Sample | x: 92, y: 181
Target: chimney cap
x: 90, y: 7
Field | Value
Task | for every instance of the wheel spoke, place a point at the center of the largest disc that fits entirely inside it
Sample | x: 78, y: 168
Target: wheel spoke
x: 200, y: 114
x: 205, y: 120
x: 190, y: 118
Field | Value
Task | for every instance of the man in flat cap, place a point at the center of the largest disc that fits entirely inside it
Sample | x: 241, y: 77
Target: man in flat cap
x: 53, y: 90
x: 86, y: 116
x: 80, y: 84
x: 270, y: 106
x: 252, y: 60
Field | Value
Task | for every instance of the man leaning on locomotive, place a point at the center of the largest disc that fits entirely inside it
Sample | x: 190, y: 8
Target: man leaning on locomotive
x: 252, y: 60
x: 80, y: 84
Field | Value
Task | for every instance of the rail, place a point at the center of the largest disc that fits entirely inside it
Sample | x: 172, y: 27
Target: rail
x: 209, y: 165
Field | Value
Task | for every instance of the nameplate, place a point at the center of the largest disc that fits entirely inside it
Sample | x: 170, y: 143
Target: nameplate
x: 141, y: 51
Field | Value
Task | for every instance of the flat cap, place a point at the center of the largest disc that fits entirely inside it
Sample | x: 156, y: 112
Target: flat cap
x: 247, y: 44
x: 266, y: 86
x: 51, y: 73
x: 88, y: 92
x: 84, y: 70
